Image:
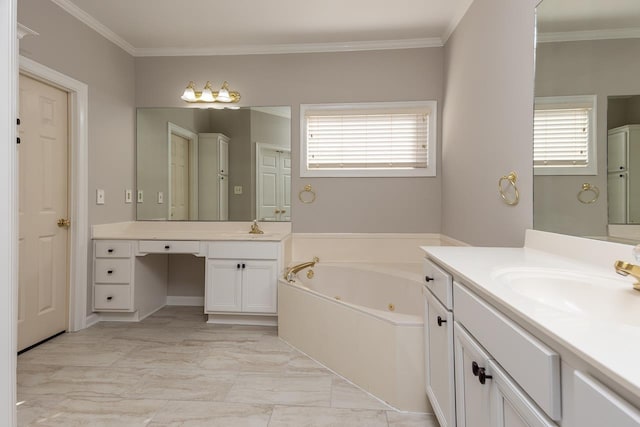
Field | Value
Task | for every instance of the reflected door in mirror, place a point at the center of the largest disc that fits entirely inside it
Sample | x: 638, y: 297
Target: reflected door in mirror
x: 273, y: 183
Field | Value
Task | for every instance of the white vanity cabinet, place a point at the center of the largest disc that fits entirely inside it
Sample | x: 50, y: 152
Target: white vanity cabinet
x: 623, y: 185
x: 113, y: 276
x: 438, y: 338
x: 598, y: 406
x: 242, y: 279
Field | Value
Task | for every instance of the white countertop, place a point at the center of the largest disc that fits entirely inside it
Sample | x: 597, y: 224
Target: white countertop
x: 611, y: 346
x: 180, y: 230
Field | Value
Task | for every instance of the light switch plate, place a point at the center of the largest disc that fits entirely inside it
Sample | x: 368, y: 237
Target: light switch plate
x: 99, y: 196
x: 237, y: 189
x: 128, y: 196
x: 140, y: 196
x: 160, y: 197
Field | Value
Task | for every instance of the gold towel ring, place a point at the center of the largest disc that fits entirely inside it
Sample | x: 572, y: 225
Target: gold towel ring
x: 511, y: 181
x: 307, y: 189
x: 586, y: 187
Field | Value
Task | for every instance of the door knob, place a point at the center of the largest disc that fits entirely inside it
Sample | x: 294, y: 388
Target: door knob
x: 64, y: 223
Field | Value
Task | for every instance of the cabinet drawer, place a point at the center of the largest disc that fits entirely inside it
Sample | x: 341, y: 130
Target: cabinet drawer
x: 113, y: 270
x: 534, y: 366
x: 111, y: 249
x: 439, y: 282
x: 243, y: 250
x: 169, y: 246
x: 595, y: 405
x: 112, y: 297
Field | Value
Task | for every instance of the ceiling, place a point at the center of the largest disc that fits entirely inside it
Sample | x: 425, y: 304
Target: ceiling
x: 188, y: 27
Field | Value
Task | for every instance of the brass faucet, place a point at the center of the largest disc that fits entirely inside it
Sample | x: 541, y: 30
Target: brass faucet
x: 255, y: 228
x: 291, y: 271
x: 626, y: 268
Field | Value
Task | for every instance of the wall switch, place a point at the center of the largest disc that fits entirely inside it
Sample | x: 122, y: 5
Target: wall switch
x: 237, y: 189
x: 99, y: 196
x: 160, y: 197
x: 128, y: 196
x: 140, y: 196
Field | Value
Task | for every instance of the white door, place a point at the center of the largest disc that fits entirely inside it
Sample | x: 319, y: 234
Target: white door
x: 274, y: 184
x: 43, y: 200
x: 617, y: 151
x: 224, y: 286
x: 259, y: 287
x: 179, y: 178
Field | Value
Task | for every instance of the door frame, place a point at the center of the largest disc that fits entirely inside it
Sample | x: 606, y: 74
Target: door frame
x: 78, y: 186
x: 259, y: 147
x: 192, y: 137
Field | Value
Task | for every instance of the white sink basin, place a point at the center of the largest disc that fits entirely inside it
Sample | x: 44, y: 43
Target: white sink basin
x: 585, y: 295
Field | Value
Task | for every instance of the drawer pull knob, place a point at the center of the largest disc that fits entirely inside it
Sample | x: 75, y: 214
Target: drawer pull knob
x: 110, y: 250
x: 243, y: 266
x: 428, y: 279
x: 167, y: 246
x: 238, y: 266
x: 109, y: 298
x: 109, y: 271
x: 441, y: 321
x: 482, y: 376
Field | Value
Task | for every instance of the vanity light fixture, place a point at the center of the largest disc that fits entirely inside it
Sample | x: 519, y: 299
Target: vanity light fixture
x: 208, y: 96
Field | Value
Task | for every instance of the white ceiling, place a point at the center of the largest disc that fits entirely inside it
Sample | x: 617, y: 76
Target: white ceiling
x: 156, y: 27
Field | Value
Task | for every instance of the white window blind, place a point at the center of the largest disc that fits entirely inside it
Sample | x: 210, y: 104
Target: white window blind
x: 362, y: 141
x: 564, y: 135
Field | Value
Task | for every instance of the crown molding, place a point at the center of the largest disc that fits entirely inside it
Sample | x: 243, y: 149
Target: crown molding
x: 95, y: 25
x: 293, y: 48
x: 572, y: 36
x: 23, y: 31
x: 453, y: 24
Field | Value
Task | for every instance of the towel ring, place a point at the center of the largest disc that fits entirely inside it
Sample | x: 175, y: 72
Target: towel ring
x: 586, y: 188
x: 511, y: 181
x: 307, y: 189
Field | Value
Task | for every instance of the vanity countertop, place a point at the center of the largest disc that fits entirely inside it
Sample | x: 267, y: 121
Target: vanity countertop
x: 604, y: 332
x: 204, y: 231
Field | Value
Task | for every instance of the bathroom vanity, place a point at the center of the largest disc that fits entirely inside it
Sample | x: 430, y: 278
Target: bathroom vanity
x: 530, y: 336
x: 130, y: 268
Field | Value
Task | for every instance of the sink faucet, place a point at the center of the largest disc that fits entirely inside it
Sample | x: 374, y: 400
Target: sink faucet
x: 291, y: 272
x: 626, y: 268
x: 255, y: 228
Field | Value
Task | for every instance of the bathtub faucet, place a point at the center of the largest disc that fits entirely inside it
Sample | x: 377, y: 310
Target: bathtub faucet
x: 292, y: 271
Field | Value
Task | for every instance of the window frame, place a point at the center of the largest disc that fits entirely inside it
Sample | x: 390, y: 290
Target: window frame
x: 573, y: 101
x: 429, y: 171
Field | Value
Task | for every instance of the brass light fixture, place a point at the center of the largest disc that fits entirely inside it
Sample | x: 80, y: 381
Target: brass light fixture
x: 208, y: 96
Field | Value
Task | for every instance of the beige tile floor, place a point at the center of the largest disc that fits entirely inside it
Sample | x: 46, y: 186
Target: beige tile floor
x: 172, y: 369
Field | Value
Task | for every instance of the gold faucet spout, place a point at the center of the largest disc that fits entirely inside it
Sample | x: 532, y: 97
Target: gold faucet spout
x: 255, y: 228
x: 292, y: 271
x: 626, y: 268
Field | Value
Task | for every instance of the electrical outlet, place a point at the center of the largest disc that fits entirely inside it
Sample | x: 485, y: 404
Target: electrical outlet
x: 99, y: 196
x: 237, y: 189
x: 128, y: 196
x: 160, y: 197
x: 140, y: 196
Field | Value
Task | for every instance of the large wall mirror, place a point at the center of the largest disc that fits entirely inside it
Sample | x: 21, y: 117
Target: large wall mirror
x: 587, y: 124
x: 213, y: 165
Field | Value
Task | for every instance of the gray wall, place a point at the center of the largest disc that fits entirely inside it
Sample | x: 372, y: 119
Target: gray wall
x: 342, y: 205
x: 603, y: 68
x: 487, y: 122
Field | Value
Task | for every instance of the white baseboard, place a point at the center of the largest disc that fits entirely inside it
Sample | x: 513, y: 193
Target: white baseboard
x: 450, y: 241
x: 188, y: 301
x: 92, y: 319
x: 243, y: 319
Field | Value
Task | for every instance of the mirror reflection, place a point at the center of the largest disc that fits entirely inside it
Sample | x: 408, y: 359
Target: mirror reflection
x: 213, y: 165
x: 587, y: 61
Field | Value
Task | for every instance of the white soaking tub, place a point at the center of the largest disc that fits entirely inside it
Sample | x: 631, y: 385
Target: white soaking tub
x: 363, y: 321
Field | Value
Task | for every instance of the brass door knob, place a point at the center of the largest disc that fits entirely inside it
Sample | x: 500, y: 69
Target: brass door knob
x: 64, y: 223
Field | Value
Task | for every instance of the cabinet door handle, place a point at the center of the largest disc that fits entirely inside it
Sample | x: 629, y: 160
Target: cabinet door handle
x: 428, y: 279
x: 475, y: 369
x: 109, y: 271
x: 238, y: 266
x: 110, y: 250
x: 109, y: 298
x: 441, y: 321
x: 167, y: 246
x: 243, y: 266
x: 621, y: 167
x: 482, y: 376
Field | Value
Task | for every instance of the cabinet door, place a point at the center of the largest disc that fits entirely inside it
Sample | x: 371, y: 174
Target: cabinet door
x: 259, y: 287
x: 223, y: 291
x: 511, y: 407
x: 223, y: 156
x: 595, y: 405
x: 438, y: 340
x: 617, y: 197
x: 617, y: 151
x: 223, y: 197
x: 473, y: 399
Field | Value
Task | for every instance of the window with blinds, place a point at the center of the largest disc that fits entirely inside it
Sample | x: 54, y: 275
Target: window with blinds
x: 381, y: 139
x: 564, y: 136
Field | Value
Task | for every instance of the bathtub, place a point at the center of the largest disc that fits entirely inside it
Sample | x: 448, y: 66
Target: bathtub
x: 364, y: 322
